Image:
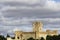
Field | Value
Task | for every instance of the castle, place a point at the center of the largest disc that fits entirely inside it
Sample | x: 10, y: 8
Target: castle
x: 36, y: 34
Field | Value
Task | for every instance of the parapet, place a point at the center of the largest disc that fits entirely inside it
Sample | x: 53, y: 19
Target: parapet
x: 18, y: 32
x: 48, y: 31
x: 37, y: 22
x: 55, y: 31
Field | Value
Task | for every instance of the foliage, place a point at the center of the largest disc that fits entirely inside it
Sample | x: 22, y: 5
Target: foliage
x: 2, y: 37
x: 13, y: 37
x: 31, y: 38
x: 48, y: 37
x: 8, y: 35
x: 55, y: 37
x: 42, y: 38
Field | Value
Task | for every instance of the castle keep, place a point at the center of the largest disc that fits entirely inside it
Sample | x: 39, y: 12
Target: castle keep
x: 37, y: 32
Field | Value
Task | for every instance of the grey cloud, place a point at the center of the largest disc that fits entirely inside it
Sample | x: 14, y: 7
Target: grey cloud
x: 30, y: 12
x: 42, y: 13
x: 21, y: 4
x: 11, y: 16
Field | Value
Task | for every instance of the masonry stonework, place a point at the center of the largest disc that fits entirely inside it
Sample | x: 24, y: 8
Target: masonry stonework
x: 36, y: 34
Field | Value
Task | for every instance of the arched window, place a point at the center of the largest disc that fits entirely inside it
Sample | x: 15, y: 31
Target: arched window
x: 18, y: 37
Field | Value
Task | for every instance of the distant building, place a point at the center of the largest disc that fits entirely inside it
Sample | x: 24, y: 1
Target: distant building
x: 36, y: 34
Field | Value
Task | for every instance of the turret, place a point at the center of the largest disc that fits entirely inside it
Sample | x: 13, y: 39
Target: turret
x: 37, y: 26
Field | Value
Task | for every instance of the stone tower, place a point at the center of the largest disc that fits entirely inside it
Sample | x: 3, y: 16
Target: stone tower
x: 37, y: 26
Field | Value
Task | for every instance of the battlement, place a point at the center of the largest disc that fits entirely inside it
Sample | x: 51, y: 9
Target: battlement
x: 37, y: 32
x: 37, y: 26
x: 18, y: 32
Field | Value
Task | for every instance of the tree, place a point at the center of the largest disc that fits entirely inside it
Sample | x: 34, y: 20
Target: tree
x: 31, y: 38
x: 58, y: 37
x: 42, y: 38
x: 8, y: 35
x: 55, y: 37
x: 13, y: 37
x: 2, y: 37
x: 48, y: 37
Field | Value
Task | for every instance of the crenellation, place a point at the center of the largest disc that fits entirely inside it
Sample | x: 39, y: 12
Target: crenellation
x: 36, y: 34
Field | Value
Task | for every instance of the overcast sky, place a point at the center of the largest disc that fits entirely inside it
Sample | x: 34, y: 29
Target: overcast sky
x: 19, y: 15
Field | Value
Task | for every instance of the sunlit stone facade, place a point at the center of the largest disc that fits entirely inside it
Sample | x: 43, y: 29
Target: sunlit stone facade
x: 36, y: 34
